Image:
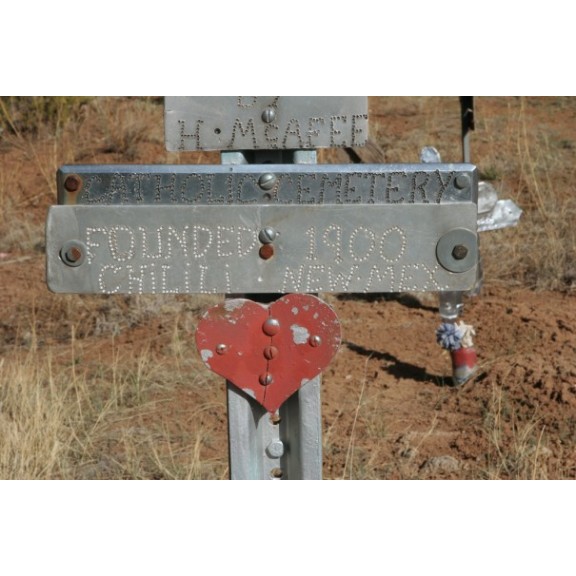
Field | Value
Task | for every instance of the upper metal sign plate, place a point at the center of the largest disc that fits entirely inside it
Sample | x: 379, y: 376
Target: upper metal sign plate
x: 264, y: 122
x: 276, y: 184
x: 261, y: 248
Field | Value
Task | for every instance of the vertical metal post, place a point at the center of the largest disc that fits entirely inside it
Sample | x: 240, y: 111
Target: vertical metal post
x: 467, y: 118
x: 286, y: 445
x: 467, y: 121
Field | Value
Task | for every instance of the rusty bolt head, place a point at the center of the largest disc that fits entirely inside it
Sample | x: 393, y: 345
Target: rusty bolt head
x: 266, y: 379
x: 73, y: 183
x: 459, y: 252
x: 266, y: 252
x: 276, y: 473
x: 275, y: 418
x: 270, y: 352
x: 314, y: 341
x: 221, y: 349
x: 73, y: 253
x: 271, y: 327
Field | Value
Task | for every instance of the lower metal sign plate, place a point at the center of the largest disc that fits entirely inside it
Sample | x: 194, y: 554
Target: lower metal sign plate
x: 261, y: 248
x: 264, y: 122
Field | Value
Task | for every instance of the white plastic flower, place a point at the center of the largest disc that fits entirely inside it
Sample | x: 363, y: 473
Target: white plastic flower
x: 466, y: 334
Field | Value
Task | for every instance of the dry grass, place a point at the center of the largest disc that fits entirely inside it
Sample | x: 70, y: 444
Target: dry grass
x: 62, y: 416
x: 517, y: 449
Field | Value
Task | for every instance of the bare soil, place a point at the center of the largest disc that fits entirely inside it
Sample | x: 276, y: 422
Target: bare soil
x: 389, y: 408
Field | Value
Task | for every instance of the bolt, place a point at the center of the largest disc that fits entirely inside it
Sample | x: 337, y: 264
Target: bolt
x: 462, y: 181
x: 73, y: 183
x: 267, y: 181
x: 268, y: 115
x: 275, y: 449
x: 314, y: 341
x: 275, y: 418
x: 267, y: 235
x: 270, y: 352
x: 460, y: 252
x: 266, y: 379
x: 266, y: 252
x: 271, y: 327
x: 72, y: 254
x: 221, y: 349
x: 276, y: 473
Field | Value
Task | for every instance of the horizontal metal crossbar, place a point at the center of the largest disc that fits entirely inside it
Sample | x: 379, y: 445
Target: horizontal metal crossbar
x: 262, y: 248
x: 274, y: 184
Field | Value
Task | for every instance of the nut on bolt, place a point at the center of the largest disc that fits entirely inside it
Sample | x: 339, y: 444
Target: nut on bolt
x: 460, y: 252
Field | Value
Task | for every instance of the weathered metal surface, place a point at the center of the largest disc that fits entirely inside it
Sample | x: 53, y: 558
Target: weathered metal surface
x: 269, y: 352
x: 216, y: 249
x: 271, y: 183
x: 298, y: 423
x: 264, y: 122
x: 252, y: 430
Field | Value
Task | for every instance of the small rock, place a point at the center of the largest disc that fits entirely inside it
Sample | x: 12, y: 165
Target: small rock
x: 441, y: 464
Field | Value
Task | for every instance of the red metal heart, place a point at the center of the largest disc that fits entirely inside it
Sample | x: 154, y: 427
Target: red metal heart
x: 269, y: 352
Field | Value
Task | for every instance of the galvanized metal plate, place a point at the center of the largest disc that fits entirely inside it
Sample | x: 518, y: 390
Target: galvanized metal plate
x: 264, y: 122
x: 269, y: 352
x: 271, y: 184
x: 222, y: 249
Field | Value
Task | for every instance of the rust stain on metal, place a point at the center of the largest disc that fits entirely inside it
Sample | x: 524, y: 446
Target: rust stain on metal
x: 73, y: 183
x: 266, y: 252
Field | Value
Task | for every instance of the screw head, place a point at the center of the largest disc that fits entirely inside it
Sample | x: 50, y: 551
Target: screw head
x: 270, y: 352
x: 462, y: 181
x: 73, y: 183
x: 314, y: 341
x: 459, y: 252
x: 267, y: 235
x: 266, y: 379
x: 267, y: 181
x: 221, y: 349
x: 268, y: 115
x: 271, y: 327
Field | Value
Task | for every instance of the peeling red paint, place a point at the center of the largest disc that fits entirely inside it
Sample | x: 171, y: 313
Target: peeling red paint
x: 239, y: 326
